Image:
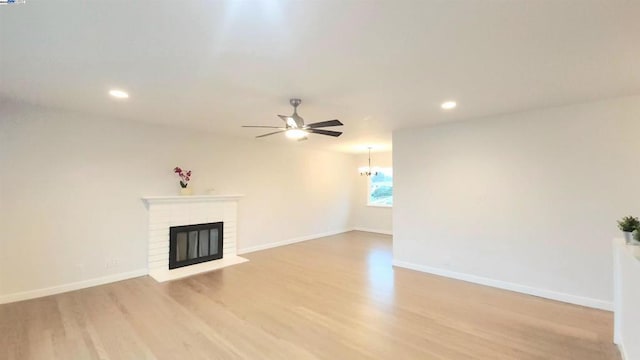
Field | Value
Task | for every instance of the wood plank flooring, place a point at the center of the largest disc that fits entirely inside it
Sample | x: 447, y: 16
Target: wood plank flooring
x: 332, y: 298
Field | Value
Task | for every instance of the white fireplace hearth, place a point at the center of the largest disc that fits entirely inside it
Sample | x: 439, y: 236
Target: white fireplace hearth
x: 168, y: 211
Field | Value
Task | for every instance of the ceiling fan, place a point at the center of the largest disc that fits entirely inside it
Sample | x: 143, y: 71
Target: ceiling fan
x: 295, y: 127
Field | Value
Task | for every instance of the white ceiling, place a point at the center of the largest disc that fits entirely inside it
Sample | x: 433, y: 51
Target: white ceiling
x: 375, y: 65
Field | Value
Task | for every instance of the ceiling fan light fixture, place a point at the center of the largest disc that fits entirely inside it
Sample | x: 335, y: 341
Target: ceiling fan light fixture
x: 291, y: 122
x: 296, y: 134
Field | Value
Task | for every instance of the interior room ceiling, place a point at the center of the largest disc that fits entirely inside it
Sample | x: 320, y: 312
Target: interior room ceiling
x: 375, y: 65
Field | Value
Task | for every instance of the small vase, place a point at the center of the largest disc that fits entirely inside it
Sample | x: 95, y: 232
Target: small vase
x: 185, y: 191
x: 628, y: 236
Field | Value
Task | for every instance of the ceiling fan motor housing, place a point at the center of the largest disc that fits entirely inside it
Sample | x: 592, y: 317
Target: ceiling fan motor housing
x: 295, y: 102
x: 297, y: 119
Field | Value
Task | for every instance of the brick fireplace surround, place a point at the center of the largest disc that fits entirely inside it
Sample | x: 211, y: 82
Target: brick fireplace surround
x: 167, y: 211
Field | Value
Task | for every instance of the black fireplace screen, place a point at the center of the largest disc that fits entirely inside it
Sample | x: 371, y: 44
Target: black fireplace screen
x: 193, y: 244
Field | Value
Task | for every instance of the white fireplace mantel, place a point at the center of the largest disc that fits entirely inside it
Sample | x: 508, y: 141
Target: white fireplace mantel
x: 188, y: 198
x: 168, y: 211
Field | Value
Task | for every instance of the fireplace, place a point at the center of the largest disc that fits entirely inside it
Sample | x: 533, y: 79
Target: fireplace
x: 172, y: 215
x: 193, y: 244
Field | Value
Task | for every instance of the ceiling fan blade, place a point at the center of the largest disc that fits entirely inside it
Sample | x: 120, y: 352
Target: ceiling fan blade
x: 324, y: 124
x: 273, y: 133
x: 324, y: 132
x: 292, y: 121
x: 259, y: 126
x: 284, y: 117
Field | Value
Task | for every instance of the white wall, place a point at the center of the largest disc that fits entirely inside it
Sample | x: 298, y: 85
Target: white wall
x: 371, y: 218
x: 71, y: 189
x: 525, y: 201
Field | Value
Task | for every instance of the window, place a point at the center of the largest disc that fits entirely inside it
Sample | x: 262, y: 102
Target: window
x: 381, y: 188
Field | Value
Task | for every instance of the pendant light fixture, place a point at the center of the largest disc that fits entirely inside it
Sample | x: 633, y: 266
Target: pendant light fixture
x: 368, y: 170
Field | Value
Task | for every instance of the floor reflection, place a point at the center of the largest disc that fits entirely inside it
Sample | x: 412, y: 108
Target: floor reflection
x: 380, y: 274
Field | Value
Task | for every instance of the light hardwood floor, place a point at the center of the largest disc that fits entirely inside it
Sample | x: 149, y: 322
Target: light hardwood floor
x: 332, y: 298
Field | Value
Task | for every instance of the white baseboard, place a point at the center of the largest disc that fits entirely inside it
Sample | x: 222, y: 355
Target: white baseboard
x: 623, y: 354
x: 32, y: 294
x: 548, y: 294
x: 289, y: 242
x: 377, y: 231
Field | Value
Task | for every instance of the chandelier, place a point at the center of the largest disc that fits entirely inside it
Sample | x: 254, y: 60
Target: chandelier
x: 368, y: 170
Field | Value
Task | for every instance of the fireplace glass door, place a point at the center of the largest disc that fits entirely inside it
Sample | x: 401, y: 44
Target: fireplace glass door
x: 192, y: 244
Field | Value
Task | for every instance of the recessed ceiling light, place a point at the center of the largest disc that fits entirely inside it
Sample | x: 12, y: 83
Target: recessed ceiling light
x: 119, y: 94
x: 448, y: 105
